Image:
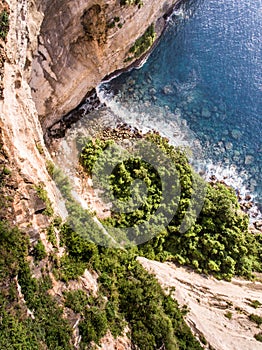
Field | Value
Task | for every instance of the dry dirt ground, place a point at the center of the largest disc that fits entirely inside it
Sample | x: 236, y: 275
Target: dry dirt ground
x: 209, y: 300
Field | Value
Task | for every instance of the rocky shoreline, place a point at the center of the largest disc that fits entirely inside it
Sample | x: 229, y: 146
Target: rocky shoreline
x: 91, y: 101
x: 123, y: 132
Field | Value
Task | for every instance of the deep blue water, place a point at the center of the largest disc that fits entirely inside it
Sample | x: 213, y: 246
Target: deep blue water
x: 206, y: 70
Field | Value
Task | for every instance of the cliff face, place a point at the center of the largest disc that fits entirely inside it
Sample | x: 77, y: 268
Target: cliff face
x: 21, y: 131
x: 80, y: 42
x: 63, y: 48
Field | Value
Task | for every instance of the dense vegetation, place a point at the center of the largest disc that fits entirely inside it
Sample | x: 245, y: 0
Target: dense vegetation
x: 133, y: 297
x: 18, y: 330
x: 218, y: 242
x: 127, y: 293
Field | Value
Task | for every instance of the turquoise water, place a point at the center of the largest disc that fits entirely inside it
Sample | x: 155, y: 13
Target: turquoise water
x: 205, y: 77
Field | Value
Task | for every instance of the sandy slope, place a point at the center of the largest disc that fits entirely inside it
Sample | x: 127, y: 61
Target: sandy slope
x: 209, y: 300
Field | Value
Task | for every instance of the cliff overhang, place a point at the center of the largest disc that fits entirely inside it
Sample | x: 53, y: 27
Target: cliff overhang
x: 82, y: 42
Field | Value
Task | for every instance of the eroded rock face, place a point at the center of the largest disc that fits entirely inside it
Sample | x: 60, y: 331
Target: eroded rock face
x: 64, y: 48
x: 94, y: 24
x: 21, y: 132
x: 81, y: 42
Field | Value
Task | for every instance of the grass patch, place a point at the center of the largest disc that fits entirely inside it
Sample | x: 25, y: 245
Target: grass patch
x: 39, y: 251
x: 50, y: 167
x: 42, y: 194
x: 258, y: 337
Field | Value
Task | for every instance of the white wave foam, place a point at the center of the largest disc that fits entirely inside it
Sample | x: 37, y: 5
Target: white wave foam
x: 146, y: 117
x: 231, y: 177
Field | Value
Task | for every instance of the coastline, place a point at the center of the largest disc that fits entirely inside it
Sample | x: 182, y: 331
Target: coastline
x: 93, y: 102
x: 246, y: 199
x: 57, y: 130
x: 91, y: 127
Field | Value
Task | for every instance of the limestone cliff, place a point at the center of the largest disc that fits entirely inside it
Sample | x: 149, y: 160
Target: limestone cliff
x: 80, y: 42
x: 56, y: 52
x: 21, y: 131
x: 63, y: 48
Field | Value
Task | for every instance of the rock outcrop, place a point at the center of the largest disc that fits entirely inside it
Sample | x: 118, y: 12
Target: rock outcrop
x: 80, y: 42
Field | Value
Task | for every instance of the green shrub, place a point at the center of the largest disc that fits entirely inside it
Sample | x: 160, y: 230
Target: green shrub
x: 228, y: 315
x: 40, y: 148
x: 94, y: 326
x: 255, y: 304
x: 203, y: 339
x: 39, y: 251
x: 42, y: 194
x: 51, y: 235
x: 13, y: 250
x: 76, y: 300
x: 6, y: 171
x: 90, y: 152
x: 219, y: 242
x: 70, y: 268
x: 143, y: 43
x: 50, y: 326
x: 111, y: 24
x: 50, y: 167
x: 255, y: 318
x: 4, y: 24
x: 258, y: 337
x: 16, y: 333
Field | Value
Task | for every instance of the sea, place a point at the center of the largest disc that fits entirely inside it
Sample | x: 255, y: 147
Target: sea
x: 201, y: 87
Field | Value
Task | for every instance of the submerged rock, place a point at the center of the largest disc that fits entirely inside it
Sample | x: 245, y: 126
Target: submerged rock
x: 228, y: 146
x: 206, y: 112
x: 236, y: 134
x: 168, y: 90
x: 249, y: 160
